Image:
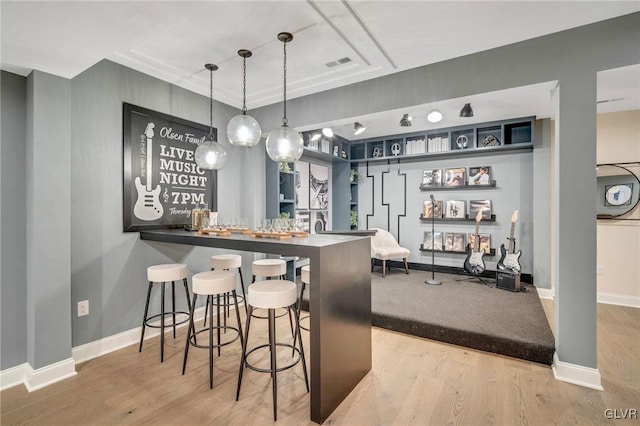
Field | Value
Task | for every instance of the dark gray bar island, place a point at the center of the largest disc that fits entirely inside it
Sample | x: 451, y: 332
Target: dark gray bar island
x: 339, y: 304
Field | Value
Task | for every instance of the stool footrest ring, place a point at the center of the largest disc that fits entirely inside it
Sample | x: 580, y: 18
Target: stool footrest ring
x: 266, y: 317
x: 219, y: 345
x: 166, y: 325
x: 300, y: 321
x: 268, y: 370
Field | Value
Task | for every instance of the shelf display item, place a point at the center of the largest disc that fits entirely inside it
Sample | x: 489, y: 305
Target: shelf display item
x: 485, y: 242
x: 489, y: 140
x: 483, y: 206
x: 455, y: 209
x: 454, y: 241
x: 319, y: 187
x: 480, y: 175
x: 437, y: 241
x: 462, y: 142
x: 431, y: 178
x: 429, y: 210
x: 302, y: 185
x: 455, y: 176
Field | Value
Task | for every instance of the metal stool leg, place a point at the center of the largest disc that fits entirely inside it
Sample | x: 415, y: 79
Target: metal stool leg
x: 304, y: 362
x: 173, y: 306
x: 243, y: 358
x: 211, y: 343
x: 272, y: 344
x: 191, y: 329
x: 298, y: 308
x: 144, y: 318
x: 218, y: 317
x: 162, y: 324
x: 244, y: 294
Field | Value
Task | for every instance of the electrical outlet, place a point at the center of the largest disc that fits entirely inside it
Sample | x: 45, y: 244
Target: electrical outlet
x: 599, y: 270
x: 83, y: 308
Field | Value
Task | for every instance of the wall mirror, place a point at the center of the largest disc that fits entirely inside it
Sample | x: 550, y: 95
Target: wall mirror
x: 618, y: 191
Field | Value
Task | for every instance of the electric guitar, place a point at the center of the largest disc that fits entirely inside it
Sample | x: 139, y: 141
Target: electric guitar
x: 148, y: 206
x: 510, y: 259
x: 474, y: 263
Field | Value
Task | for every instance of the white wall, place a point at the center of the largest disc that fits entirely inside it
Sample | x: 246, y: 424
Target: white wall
x: 618, y: 140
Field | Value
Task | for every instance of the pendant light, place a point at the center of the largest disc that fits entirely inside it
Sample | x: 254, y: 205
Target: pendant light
x: 243, y: 129
x: 284, y: 144
x: 210, y: 155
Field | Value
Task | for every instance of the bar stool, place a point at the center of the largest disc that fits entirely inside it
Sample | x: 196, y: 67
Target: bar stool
x: 163, y: 274
x: 212, y: 283
x: 269, y: 269
x: 272, y: 295
x: 305, y: 278
x: 226, y: 262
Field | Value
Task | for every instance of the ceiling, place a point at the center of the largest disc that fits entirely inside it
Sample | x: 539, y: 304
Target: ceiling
x: 173, y: 40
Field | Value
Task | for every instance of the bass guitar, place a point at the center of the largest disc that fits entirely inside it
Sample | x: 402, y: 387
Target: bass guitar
x: 474, y: 262
x: 510, y: 259
x: 148, y: 206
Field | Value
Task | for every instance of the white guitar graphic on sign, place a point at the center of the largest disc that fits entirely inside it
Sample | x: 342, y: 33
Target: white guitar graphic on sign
x: 148, y: 206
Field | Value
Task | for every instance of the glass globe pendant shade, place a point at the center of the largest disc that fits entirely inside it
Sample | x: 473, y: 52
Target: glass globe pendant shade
x: 210, y: 155
x: 285, y: 145
x: 244, y: 130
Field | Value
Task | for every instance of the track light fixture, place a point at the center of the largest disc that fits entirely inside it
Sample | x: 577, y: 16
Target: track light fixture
x: 358, y: 128
x: 328, y: 132
x: 315, y: 136
x: 466, y: 111
x: 405, y: 121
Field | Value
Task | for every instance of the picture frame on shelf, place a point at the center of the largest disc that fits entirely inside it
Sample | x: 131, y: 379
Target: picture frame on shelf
x: 429, y: 210
x: 480, y: 205
x: 480, y: 175
x: 437, y: 241
x: 432, y: 178
x: 455, y: 241
x: 485, y: 242
x: 455, y: 176
x: 455, y: 209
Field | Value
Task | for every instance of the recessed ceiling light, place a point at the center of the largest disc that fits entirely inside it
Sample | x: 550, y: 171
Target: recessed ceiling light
x: 434, y: 116
x: 328, y: 132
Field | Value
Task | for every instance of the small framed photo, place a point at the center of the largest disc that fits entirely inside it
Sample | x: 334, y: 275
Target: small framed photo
x: 437, y: 241
x: 454, y: 241
x: 483, y: 206
x: 430, y: 212
x: 455, y: 176
x: 480, y: 175
x: 485, y: 242
x: 455, y: 209
x: 431, y: 178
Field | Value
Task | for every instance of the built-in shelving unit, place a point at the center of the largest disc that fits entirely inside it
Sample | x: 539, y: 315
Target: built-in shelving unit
x: 492, y: 184
x: 494, y: 136
x: 465, y: 219
x: 492, y: 252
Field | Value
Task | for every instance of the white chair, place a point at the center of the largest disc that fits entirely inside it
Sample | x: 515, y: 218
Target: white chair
x: 385, y: 247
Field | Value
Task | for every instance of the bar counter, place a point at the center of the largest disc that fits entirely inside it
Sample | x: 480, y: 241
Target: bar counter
x: 339, y: 304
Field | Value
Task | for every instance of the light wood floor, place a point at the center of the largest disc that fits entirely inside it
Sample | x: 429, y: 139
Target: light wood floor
x: 414, y: 381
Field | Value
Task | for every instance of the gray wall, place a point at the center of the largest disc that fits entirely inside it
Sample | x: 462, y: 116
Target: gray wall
x: 542, y: 199
x: 512, y: 172
x: 13, y: 223
x: 109, y: 266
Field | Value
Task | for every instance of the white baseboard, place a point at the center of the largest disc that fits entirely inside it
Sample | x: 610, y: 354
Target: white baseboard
x: 45, y: 376
x: 13, y: 376
x: 618, y: 299
x: 546, y: 293
x: 110, y: 344
x: 576, y: 374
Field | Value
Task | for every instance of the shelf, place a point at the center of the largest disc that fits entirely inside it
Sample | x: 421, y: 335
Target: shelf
x: 287, y: 201
x: 353, y: 203
x: 461, y: 220
x: 478, y: 139
x: 492, y: 252
x: 457, y: 188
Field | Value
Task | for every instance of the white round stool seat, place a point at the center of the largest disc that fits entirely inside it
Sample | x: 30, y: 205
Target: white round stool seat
x: 269, y: 267
x: 167, y: 272
x: 305, y: 273
x: 272, y: 294
x: 214, y: 282
x: 226, y: 261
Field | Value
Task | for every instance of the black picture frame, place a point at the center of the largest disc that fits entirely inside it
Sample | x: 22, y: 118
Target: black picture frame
x: 176, y: 139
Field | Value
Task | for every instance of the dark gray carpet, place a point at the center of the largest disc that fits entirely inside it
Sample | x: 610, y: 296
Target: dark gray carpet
x: 464, y: 313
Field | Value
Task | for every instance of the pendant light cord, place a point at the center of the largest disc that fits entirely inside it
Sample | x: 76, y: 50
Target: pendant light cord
x: 244, y: 86
x: 284, y: 118
x: 210, y: 104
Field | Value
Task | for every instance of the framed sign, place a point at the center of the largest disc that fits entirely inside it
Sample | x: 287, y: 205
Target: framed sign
x: 161, y: 181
